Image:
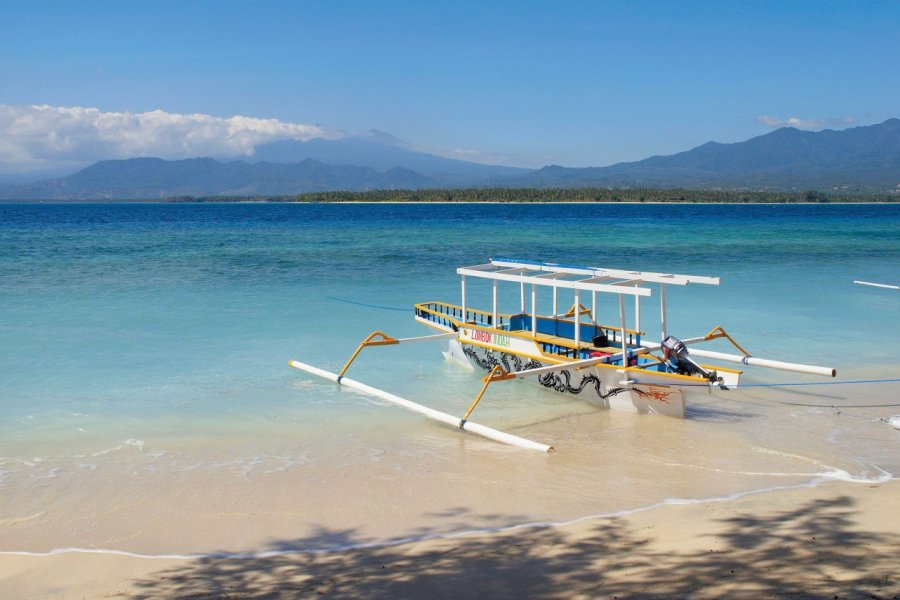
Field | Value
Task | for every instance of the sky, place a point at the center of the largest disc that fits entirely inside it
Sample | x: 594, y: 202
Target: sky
x: 517, y: 83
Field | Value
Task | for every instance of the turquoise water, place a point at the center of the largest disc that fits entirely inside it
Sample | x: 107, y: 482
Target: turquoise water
x: 164, y: 331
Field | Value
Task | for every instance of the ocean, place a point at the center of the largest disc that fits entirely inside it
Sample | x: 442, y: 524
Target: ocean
x: 146, y: 404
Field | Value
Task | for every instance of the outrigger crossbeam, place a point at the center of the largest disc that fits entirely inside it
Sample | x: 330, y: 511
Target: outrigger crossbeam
x: 387, y: 340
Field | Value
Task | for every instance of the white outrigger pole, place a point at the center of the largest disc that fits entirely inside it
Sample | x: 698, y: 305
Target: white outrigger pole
x: 879, y: 285
x: 435, y: 415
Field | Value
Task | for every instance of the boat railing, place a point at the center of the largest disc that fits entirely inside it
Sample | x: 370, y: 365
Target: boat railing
x: 563, y: 327
x: 451, y: 314
x: 551, y: 339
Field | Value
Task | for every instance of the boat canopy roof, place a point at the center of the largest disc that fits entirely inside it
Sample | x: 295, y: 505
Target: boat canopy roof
x: 599, y: 279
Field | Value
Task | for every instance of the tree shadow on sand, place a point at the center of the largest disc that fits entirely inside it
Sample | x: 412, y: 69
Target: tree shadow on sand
x: 812, y: 551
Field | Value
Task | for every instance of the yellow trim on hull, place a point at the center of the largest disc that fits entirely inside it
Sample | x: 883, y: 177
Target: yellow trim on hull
x: 557, y: 341
x: 559, y: 360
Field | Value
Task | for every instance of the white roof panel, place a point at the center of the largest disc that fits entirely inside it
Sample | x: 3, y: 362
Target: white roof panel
x: 613, y: 281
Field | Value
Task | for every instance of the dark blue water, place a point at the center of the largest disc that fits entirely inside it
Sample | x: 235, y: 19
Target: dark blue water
x: 244, y: 243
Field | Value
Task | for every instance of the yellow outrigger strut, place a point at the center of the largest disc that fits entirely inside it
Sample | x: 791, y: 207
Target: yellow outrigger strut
x: 385, y: 340
x: 498, y: 373
x: 719, y: 332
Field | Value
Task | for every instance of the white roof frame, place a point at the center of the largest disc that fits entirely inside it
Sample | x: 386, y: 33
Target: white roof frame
x: 644, y: 276
x: 610, y: 281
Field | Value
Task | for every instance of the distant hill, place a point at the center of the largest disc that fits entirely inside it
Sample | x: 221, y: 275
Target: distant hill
x: 856, y: 159
x: 860, y: 159
x: 154, y: 178
x: 381, y: 151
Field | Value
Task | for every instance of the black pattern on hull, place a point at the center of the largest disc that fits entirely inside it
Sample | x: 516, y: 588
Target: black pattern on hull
x: 560, y: 381
x: 510, y: 362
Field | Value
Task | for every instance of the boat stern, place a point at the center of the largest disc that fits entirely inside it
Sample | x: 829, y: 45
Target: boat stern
x: 658, y: 399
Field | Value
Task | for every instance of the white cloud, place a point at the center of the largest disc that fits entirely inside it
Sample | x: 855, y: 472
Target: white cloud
x: 42, y: 137
x: 804, y: 123
x: 486, y: 158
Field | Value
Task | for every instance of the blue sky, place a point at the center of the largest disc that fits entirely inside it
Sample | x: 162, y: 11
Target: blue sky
x: 524, y: 83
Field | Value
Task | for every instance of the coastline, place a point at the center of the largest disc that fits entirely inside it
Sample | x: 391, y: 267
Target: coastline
x: 835, y: 539
x: 248, y: 201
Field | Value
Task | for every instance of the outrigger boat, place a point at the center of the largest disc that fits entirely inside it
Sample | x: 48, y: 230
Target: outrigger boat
x: 571, y: 352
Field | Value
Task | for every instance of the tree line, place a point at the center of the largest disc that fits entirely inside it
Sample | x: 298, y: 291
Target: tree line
x: 504, y: 194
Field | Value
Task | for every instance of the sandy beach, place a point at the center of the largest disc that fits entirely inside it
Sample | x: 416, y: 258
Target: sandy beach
x: 838, y: 540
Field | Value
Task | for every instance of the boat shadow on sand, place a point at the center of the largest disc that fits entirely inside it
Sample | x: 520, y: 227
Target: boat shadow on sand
x: 708, y: 412
x: 813, y: 550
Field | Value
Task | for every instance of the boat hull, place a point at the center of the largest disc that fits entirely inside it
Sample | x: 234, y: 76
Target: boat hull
x: 602, y: 385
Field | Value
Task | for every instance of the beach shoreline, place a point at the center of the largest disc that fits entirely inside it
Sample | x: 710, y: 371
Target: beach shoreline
x: 836, y: 539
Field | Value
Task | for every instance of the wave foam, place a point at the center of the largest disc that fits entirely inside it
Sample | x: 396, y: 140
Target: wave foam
x: 824, y: 477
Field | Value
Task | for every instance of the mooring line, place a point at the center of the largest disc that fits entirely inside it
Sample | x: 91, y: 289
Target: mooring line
x: 838, y: 405
x: 368, y: 305
x: 794, y: 384
x: 857, y: 381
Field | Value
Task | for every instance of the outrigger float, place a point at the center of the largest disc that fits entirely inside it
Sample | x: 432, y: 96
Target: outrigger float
x: 571, y: 352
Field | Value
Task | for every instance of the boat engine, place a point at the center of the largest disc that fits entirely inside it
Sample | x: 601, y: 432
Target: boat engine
x: 679, y: 360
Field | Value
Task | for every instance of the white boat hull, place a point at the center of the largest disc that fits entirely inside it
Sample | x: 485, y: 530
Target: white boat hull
x: 601, y: 385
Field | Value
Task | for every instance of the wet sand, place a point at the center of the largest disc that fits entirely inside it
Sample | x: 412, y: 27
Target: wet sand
x: 839, y: 539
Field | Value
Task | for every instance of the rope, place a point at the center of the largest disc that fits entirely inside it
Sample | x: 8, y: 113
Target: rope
x: 838, y: 405
x: 749, y: 385
x: 857, y: 381
x: 814, y: 383
x: 368, y: 305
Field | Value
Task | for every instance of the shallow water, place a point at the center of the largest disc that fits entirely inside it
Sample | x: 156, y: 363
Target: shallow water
x: 146, y: 404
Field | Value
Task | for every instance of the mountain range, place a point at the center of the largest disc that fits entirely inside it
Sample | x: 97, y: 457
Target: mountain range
x: 856, y: 159
x: 859, y: 159
x: 382, y: 152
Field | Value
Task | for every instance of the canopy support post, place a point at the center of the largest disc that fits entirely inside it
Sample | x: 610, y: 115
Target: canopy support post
x: 464, y: 319
x: 522, y: 297
x: 577, y: 324
x: 637, y: 318
x: 624, y: 341
x: 494, y: 313
x: 662, y: 309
